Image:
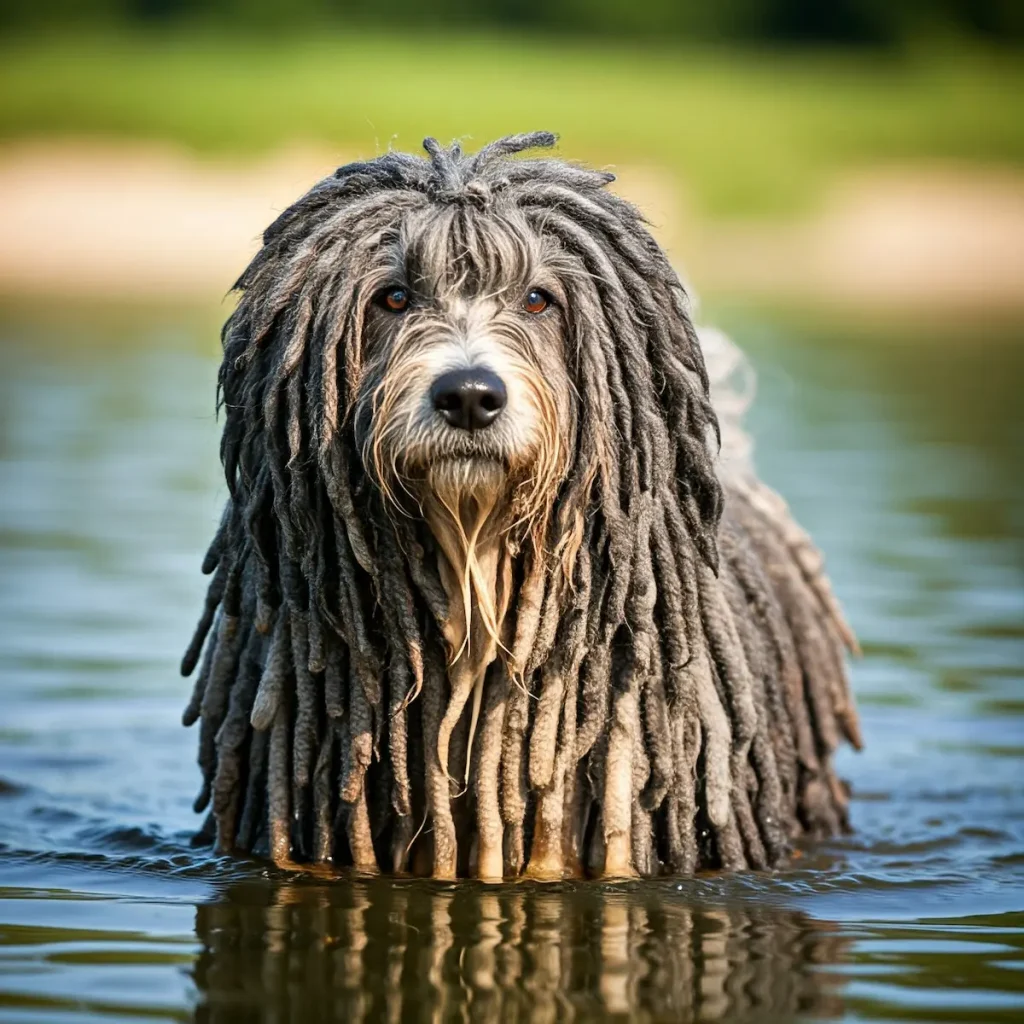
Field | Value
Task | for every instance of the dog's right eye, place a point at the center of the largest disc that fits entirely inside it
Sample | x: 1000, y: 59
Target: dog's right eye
x: 536, y: 301
x: 395, y: 300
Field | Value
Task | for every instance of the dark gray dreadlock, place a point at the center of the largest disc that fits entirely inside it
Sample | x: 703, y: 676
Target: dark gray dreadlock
x: 673, y: 684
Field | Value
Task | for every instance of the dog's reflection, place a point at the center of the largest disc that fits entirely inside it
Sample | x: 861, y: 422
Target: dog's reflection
x: 390, y: 951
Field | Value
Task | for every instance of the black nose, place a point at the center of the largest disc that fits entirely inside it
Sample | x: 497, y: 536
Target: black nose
x: 469, y: 399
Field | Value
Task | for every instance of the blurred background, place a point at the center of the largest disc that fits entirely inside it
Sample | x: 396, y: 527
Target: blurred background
x: 859, y: 153
x: 843, y: 185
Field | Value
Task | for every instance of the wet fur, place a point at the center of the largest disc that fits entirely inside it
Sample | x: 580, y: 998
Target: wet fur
x: 571, y: 643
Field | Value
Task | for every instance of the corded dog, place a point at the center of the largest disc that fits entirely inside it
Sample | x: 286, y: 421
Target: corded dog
x: 486, y: 600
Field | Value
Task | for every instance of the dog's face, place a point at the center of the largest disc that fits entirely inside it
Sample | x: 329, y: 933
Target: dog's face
x: 465, y: 393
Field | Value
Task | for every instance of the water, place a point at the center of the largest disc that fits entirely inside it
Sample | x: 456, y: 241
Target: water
x: 901, y: 453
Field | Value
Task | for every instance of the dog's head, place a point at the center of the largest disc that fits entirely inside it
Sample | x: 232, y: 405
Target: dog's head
x: 465, y: 405
x: 490, y: 346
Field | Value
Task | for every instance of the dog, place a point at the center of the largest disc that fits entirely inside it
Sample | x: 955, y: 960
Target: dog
x: 485, y: 599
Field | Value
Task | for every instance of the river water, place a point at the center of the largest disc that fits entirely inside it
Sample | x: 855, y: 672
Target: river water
x: 900, y: 450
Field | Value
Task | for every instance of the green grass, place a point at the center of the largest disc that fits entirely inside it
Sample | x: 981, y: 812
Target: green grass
x: 748, y: 132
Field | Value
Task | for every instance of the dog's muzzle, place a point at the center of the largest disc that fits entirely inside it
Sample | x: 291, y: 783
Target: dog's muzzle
x: 469, y: 399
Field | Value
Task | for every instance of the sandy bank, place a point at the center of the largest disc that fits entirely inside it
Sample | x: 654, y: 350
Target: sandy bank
x: 82, y: 219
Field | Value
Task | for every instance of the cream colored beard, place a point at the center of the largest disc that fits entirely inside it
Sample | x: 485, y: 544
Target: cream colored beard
x: 466, y: 509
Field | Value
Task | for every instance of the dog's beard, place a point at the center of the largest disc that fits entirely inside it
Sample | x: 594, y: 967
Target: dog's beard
x: 466, y: 505
x: 482, y: 510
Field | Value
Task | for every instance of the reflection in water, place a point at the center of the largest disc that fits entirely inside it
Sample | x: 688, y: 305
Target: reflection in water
x: 381, y: 951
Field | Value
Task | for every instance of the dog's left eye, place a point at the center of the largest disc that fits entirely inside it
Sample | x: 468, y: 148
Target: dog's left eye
x: 536, y: 301
x: 395, y: 300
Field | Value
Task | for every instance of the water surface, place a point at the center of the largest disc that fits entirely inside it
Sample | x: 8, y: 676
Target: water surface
x: 900, y: 451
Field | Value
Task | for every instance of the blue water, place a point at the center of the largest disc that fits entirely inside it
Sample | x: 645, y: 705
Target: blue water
x: 900, y: 450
